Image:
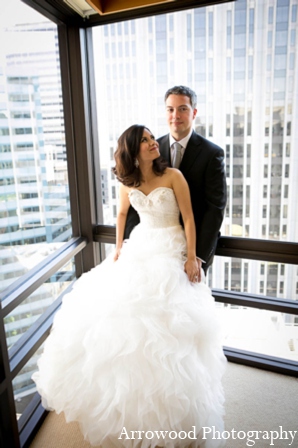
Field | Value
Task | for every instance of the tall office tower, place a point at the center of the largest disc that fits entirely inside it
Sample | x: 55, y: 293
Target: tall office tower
x: 34, y: 191
x: 34, y: 197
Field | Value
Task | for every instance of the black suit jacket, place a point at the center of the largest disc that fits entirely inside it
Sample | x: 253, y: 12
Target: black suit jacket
x: 203, y: 168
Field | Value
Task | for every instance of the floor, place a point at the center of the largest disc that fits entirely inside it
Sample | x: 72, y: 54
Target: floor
x: 261, y: 411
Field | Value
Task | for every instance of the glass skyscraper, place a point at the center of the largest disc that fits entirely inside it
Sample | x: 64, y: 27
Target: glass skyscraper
x: 34, y: 199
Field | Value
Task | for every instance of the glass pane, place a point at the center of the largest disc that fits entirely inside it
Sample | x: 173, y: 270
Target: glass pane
x: 23, y: 316
x: 107, y: 249
x: 261, y: 331
x: 23, y: 386
x: 255, y: 277
x: 234, y: 110
x: 34, y: 192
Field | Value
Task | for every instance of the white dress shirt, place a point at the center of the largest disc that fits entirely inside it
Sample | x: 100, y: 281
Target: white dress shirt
x: 183, y: 142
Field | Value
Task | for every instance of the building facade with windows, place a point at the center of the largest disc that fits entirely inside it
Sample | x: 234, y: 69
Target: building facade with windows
x: 34, y: 195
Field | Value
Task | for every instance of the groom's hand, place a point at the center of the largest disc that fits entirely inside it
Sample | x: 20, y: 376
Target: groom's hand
x: 199, y: 263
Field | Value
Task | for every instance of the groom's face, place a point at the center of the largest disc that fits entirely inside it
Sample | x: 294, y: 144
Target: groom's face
x: 180, y: 115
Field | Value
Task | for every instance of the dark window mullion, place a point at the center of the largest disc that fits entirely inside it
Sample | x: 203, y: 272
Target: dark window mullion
x: 30, y: 341
x: 12, y: 296
x: 265, y: 362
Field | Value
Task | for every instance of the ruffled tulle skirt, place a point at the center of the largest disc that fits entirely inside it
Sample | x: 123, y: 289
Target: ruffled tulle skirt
x: 135, y: 350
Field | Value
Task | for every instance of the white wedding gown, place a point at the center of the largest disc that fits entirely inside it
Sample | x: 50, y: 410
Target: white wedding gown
x: 136, y: 345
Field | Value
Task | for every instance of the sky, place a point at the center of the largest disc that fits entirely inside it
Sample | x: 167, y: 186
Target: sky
x: 15, y: 11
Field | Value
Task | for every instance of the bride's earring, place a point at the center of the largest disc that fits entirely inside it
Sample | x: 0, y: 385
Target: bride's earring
x: 137, y: 163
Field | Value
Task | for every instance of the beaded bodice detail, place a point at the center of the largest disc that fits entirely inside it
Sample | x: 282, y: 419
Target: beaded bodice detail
x: 157, y: 209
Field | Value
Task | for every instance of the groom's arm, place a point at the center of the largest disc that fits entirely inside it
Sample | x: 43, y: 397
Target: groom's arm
x: 215, y: 202
x: 131, y: 221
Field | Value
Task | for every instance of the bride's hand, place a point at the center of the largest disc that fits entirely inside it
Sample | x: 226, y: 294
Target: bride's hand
x: 192, y: 270
x: 117, y: 254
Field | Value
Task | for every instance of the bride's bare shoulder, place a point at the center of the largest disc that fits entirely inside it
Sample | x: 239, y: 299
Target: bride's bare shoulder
x: 173, y: 173
x: 123, y: 189
x: 170, y: 171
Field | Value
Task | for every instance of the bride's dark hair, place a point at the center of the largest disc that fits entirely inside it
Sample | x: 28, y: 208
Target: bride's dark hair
x: 125, y: 156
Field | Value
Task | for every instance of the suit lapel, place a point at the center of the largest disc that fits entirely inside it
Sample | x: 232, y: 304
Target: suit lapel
x: 191, y: 153
x: 164, y: 148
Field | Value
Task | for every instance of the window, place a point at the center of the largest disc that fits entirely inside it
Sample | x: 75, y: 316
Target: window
x: 285, y: 211
x: 294, y: 13
x: 254, y: 125
x: 251, y: 27
x: 237, y: 211
x: 247, y: 201
x: 284, y: 231
x: 19, y: 131
x: 228, y: 124
x: 33, y: 166
x: 237, y: 191
x: 5, y: 148
x: 269, y: 39
x: 270, y: 15
x: 293, y: 38
x: 248, y: 160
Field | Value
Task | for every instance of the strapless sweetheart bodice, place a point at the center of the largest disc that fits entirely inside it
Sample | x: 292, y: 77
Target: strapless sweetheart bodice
x: 158, y: 209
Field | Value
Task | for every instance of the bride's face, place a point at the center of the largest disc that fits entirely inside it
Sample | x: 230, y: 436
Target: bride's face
x: 149, y: 148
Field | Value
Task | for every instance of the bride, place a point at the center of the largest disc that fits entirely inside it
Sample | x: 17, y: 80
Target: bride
x: 135, y: 354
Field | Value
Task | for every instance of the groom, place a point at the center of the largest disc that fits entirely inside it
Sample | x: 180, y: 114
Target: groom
x: 202, y: 164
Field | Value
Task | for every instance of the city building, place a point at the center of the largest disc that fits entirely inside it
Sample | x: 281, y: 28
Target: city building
x: 34, y: 195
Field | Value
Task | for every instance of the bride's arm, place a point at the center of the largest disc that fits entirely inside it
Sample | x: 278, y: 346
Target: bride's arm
x: 121, y: 218
x: 181, y: 190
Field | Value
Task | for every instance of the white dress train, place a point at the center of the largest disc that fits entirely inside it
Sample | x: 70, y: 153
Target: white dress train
x: 135, y: 348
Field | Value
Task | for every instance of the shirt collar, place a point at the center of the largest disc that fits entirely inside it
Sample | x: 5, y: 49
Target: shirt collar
x: 183, y: 142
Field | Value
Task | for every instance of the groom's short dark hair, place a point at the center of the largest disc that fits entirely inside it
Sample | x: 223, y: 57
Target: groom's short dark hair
x: 183, y: 90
